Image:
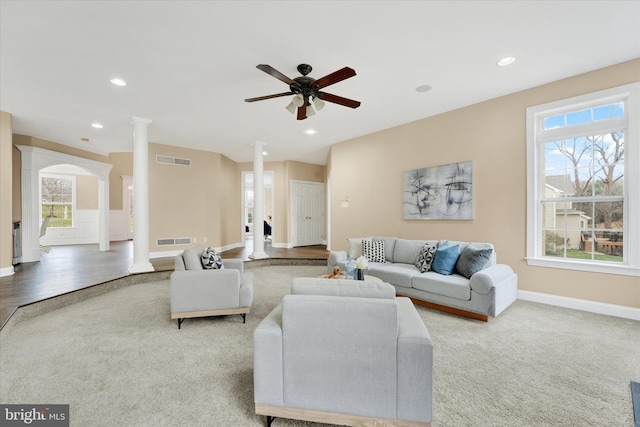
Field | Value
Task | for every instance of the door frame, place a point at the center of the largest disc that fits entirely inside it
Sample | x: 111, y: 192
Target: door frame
x: 270, y: 186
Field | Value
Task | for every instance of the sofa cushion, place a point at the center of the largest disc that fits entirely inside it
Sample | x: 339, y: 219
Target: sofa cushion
x: 398, y: 274
x: 211, y: 260
x: 407, y: 251
x: 389, y: 246
x: 373, y: 251
x: 354, y: 246
x: 454, y: 286
x: 445, y: 259
x: 425, y: 259
x: 192, y: 260
x: 472, y: 260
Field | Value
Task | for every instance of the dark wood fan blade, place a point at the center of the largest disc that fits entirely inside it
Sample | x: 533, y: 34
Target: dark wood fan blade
x: 335, y: 77
x: 275, y: 73
x: 261, y: 98
x: 338, y: 100
x: 302, y: 111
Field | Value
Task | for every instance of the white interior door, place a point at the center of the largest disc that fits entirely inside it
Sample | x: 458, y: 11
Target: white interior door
x: 307, y: 213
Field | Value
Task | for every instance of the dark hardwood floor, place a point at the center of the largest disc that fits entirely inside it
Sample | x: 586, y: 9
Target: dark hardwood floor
x: 70, y: 268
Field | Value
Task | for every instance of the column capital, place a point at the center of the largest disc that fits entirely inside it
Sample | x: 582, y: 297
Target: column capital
x: 140, y: 120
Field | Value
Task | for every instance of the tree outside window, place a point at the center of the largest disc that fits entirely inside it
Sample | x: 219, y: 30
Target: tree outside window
x: 588, y: 176
x: 56, y: 200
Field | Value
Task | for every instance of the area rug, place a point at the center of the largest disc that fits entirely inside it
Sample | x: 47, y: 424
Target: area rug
x: 119, y: 359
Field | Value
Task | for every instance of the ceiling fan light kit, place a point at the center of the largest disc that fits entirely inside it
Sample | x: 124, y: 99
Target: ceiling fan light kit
x: 306, y: 90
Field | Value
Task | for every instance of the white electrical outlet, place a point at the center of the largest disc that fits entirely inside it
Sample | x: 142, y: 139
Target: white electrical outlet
x: 195, y: 240
x: 205, y: 240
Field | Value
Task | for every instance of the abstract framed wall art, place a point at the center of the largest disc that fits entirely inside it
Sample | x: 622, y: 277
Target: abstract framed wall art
x: 439, y: 192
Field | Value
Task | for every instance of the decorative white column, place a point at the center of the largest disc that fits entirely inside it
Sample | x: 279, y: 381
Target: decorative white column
x: 141, y: 262
x: 30, y: 207
x: 258, y: 202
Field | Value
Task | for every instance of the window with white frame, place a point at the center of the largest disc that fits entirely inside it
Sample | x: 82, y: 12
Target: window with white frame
x: 57, y: 199
x: 583, y: 182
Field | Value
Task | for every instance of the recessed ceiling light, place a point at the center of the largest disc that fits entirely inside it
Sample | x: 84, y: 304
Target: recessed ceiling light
x: 507, y: 60
x: 310, y: 131
x: 423, y: 88
x: 264, y: 153
x: 97, y: 125
x: 118, y: 82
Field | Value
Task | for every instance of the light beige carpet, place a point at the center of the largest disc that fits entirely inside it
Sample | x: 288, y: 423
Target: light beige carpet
x: 119, y: 360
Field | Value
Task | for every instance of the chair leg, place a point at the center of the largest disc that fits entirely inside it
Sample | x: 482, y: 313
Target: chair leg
x: 180, y: 323
x: 270, y: 420
x: 244, y: 317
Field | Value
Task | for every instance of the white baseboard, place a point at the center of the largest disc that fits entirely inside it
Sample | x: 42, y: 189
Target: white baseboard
x: 164, y: 254
x: 167, y: 254
x: 7, y: 271
x: 580, y: 304
x: 229, y: 247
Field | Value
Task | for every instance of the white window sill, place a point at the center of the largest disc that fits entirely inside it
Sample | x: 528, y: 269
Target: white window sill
x: 607, y: 268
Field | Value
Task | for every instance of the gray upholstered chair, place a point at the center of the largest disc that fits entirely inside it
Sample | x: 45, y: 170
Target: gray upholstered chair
x: 344, y: 352
x: 196, y: 292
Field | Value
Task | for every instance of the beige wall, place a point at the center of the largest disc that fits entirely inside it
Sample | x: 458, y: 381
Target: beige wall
x: 492, y: 135
x: 86, y: 192
x: 122, y: 166
x: 200, y: 201
x: 229, y: 202
x: 60, y: 148
x: 6, y: 189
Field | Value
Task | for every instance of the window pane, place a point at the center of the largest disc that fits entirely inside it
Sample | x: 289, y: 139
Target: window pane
x: 608, y: 111
x: 554, y: 122
x: 57, y: 201
x: 609, y: 148
x: 582, y: 182
x: 554, y: 242
x: 552, y: 215
x: 608, y: 217
x: 609, y: 181
x: 579, y: 117
x: 554, y: 159
x: 611, y: 246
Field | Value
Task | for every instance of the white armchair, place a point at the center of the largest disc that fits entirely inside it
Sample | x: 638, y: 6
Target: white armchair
x: 196, y: 292
x: 344, y: 352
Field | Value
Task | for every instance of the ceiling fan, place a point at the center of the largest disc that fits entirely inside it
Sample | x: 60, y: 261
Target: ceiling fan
x: 306, y: 90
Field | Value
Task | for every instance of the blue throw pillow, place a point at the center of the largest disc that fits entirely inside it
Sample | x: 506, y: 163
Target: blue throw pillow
x: 445, y: 259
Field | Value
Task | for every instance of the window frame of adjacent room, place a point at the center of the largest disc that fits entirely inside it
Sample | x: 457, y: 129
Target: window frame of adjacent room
x: 537, y: 138
x: 72, y: 178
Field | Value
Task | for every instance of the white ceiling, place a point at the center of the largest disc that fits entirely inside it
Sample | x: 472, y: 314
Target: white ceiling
x: 190, y: 65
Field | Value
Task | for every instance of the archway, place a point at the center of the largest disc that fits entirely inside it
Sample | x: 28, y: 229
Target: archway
x: 34, y: 159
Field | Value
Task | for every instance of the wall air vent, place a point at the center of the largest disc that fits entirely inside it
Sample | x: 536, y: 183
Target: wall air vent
x: 168, y: 160
x: 174, y: 241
